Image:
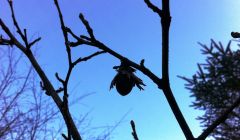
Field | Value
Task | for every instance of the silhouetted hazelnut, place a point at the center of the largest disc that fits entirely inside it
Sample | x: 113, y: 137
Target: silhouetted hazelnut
x: 125, y: 79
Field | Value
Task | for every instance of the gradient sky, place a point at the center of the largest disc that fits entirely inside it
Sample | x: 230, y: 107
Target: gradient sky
x: 134, y: 31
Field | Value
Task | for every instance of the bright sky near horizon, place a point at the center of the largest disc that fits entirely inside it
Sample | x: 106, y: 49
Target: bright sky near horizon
x: 133, y: 30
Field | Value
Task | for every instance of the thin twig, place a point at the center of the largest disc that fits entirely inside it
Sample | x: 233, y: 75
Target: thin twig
x: 23, y: 34
x: 10, y: 2
x: 235, y: 34
x: 13, y: 40
x: 59, y: 79
x: 34, y: 41
x: 134, y: 133
x: 88, y: 57
x: 64, y: 136
x: 59, y: 90
x: 154, y: 8
x: 89, y: 29
x: 5, y: 42
x: 71, y: 33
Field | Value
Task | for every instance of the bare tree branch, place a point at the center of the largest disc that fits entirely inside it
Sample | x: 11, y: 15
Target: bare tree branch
x: 154, y: 8
x: 10, y: 2
x: 34, y: 41
x: 235, y: 34
x: 161, y: 83
x: 87, y: 57
x: 100, y: 45
x: 134, y: 133
x: 59, y: 79
x: 11, y: 36
x: 5, y: 41
x: 59, y: 90
x: 89, y: 29
x: 47, y: 84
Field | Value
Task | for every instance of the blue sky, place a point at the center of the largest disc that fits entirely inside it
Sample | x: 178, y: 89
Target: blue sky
x: 134, y: 31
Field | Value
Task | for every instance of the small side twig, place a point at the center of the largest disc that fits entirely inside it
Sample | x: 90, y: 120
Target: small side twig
x: 59, y: 90
x: 23, y: 34
x: 142, y: 63
x: 10, y: 2
x: 134, y: 133
x: 34, y: 41
x: 89, y: 29
x: 5, y: 41
x: 59, y: 79
x: 71, y: 33
x: 235, y: 34
x: 64, y: 136
x: 44, y: 88
x: 88, y: 57
x: 154, y: 8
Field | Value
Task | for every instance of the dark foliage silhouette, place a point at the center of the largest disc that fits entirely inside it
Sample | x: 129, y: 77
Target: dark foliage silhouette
x: 216, y: 86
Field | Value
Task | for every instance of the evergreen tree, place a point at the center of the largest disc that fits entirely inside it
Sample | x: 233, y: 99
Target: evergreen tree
x: 215, y: 86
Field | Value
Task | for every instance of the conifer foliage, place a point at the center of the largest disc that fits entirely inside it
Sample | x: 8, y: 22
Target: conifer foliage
x: 216, y: 86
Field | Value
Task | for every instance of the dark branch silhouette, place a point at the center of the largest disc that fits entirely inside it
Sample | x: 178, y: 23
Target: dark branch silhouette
x: 134, y: 133
x: 154, y: 8
x: 162, y: 83
x: 235, y: 34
